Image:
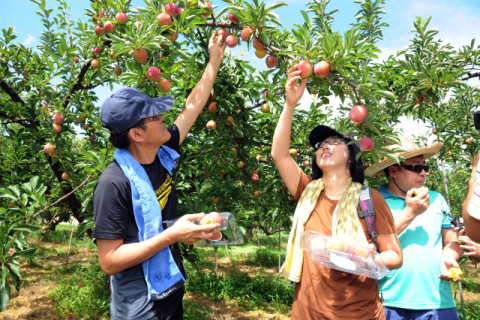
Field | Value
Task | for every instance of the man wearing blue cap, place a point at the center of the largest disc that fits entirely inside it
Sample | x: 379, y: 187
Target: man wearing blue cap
x: 136, y: 192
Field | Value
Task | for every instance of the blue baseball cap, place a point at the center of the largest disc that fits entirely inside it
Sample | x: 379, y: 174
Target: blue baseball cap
x: 124, y: 108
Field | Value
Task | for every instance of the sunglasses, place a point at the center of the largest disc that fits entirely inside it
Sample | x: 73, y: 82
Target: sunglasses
x: 414, y: 167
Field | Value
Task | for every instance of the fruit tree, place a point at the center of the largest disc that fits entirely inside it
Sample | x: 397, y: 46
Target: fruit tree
x: 46, y: 99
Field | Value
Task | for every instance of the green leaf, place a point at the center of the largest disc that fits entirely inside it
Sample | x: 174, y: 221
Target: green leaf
x: 15, y: 273
x: 5, y: 293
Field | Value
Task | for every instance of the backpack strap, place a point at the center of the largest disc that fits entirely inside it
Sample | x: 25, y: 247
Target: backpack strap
x: 368, y: 212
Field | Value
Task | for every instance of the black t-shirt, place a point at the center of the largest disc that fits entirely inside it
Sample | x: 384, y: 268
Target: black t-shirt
x: 115, y: 219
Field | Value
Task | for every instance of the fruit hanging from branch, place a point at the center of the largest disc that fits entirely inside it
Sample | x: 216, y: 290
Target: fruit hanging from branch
x: 140, y: 56
x: 212, y: 108
x: 153, y: 74
x: 172, y: 9
x: 305, y: 69
x: 109, y: 27
x: 271, y: 62
x: 358, y: 114
x: 165, y: 85
x: 121, y: 18
x: 211, y: 125
x: 245, y: 33
x: 366, y: 144
x: 164, y: 19
x: 322, y: 69
x: 231, y: 41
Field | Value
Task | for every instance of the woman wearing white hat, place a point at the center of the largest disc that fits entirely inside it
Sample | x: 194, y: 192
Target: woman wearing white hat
x: 320, y: 292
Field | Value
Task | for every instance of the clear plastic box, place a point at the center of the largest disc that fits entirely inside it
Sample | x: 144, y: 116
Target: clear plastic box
x: 336, y: 253
x: 228, y: 232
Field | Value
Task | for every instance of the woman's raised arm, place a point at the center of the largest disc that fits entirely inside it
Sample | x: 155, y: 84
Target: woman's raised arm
x: 288, y: 168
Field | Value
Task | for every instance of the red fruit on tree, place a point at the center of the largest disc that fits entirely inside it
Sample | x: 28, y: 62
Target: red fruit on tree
x: 260, y: 53
x: 434, y: 131
x: 306, y: 163
x: 82, y: 118
x: 224, y: 33
x: 57, y: 128
x: 180, y: 10
x: 86, y: 127
x: 265, y: 108
x: 99, y: 31
x: 95, y: 64
x: 96, y: 52
x: 154, y: 74
x: 172, y: 9
x: 164, y: 19
x: 113, y: 56
x: 92, y: 137
x: 75, y: 59
x: 122, y: 18
x: 231, y: 41
x: 208, y: 6
x: 366, y: 144
x: 172, y: 37
x: 305, y: 69
x: 271, y: 62
x: 255, y: 177
x: 117, y: 71
x: 322, y: 69
x: 358, y: 114
x: 293, y: 152
x: 109, y: 27
x: 257, y: 44
x: 165, y: 85
x: 211, y: 125
x: 232, y: 18
x: 229, y: 121
x: 140, y: 56
x: 76, y: 121
x: 235, y: 149
x: 468, y: 141
x: 240, y: 164
x: 256, y: 194
x: 222, y: 172
x: 49, y: 148
x: 65, y: 176
x: 58, y: 118
x: 212, y: 108
x: 245, y: 33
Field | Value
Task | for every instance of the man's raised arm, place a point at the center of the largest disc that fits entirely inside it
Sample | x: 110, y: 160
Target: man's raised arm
x: 199, y: 96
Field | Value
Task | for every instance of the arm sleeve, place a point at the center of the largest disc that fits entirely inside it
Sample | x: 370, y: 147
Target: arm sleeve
x: 302, y: 184
x: 111, y: 207
x: 384, y: 222
x: 174, y: 141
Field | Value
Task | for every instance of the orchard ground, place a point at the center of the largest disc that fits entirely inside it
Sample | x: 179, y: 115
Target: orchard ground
x: 246, y: 287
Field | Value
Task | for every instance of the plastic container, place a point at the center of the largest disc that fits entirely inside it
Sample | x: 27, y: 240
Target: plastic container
x: 338, y: 254
x: 227, y: 233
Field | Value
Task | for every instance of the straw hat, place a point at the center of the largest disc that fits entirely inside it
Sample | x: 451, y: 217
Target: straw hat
x: 411, y: 151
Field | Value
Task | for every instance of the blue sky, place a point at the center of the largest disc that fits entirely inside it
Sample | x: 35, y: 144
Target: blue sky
x: 457, y: 21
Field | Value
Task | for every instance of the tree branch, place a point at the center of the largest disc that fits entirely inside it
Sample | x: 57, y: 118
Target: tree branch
x: 470, y: 76
x: 264, y: 101
x: 78, y: 85
x: 62, y: 198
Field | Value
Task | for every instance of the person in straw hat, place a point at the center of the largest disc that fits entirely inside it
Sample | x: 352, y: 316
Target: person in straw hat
x: 328, y: 203
x: 420, y: 289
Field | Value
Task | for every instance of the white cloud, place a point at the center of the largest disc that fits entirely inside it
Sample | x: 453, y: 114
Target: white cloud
x: 30, y: 40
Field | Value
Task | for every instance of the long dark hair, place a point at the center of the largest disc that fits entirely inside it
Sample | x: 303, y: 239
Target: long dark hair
x: 356, y: 166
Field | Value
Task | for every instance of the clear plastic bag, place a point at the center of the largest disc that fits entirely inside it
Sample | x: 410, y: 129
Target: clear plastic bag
x: 227, y: 233
x: 341, y: 255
